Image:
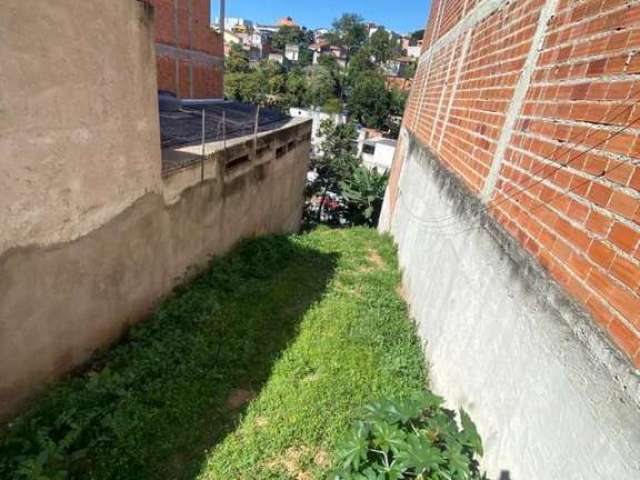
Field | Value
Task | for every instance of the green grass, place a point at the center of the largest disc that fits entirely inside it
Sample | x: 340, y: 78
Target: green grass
x: 254, y: 370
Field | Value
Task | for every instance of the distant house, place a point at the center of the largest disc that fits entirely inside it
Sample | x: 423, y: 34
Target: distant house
x: 287, y: 22
x: 398, y: 67
x: 319, y: 33
x: 235, y: 24
x: 267, y: 28
x: 377, y: 153
x: 414, y: 51
x: 277, y: 57
x: 399, y: 83
x: 340, y: 54
x: 317, y: 116
x: 319, y: 47
x: 292, y: 52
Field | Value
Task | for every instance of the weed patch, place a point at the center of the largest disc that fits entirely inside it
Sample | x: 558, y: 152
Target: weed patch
x: 262, y: 361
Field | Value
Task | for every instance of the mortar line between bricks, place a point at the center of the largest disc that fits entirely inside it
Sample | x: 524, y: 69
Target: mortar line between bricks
x: 425, y: 79
x: 475, y: 16
x: 519, y: 96
x: 444, y: 90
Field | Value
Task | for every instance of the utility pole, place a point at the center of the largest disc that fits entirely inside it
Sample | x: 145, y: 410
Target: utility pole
x: 222, y: 22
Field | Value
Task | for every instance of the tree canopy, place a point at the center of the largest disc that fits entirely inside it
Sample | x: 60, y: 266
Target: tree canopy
x: 369, y: 101
x: 349, y: 31
x: 381, y: 46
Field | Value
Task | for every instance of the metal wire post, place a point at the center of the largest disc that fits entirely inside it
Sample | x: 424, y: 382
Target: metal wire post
x: 203, y: 148
x: 255, y: 132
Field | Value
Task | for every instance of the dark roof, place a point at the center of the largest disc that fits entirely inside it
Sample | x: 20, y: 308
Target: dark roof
x: 184, y: 126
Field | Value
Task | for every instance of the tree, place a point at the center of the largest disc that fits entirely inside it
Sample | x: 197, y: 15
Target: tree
x: 321, y: 85
x: 359, y: 66
x: 337, y: 162
x: 296, y: 89
x: 238, y: 60
x: 288, y: 34
x: 409, y: 71
x: 397, y: 101
x: 381, y: 46
x: 417, y: 35
x: 338, y: 139
x: 306, y: 56
x: 333, y: 105
x: 245, y: 87
x: 350, y: 32
x: 369, y: 101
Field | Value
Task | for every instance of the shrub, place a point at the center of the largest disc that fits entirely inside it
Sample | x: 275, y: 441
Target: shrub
x: 412, y: 438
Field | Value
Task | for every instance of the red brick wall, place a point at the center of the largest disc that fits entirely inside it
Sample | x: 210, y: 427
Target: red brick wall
x: 579, y: 213
x: 192, y: 67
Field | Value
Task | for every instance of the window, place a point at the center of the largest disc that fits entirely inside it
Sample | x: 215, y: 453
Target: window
x: 369, y: 149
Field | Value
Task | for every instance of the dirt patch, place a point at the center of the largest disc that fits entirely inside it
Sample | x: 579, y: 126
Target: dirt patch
x: 261, y: 422
x: 356, y: 290
x: 238, y: 398
x: 375, y: 258
x: 400, y: 291
x: 322, y: 459
x: 290, y: 462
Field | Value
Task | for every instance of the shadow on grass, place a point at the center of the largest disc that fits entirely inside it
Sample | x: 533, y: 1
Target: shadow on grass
x: 154, y: 405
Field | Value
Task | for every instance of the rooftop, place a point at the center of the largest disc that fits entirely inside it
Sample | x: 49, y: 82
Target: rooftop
x: 184, y: 126
x: 182, y: 133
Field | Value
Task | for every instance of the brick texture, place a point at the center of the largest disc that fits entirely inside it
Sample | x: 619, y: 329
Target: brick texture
x: 193, y: 65
x: 568, y: 187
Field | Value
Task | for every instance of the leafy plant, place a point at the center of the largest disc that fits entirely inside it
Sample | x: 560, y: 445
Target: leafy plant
x: 364, y: 193
x: 410, y: 438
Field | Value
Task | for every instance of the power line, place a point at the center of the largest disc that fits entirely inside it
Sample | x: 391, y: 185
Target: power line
x: 537, y: 182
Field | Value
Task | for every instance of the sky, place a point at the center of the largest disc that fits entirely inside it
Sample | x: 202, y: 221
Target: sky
x: 402, y: 16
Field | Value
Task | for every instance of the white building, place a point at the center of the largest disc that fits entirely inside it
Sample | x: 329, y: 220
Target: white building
x: 319, y: 33
x: 276, y: 57
x: 414, y: 51
x: 378, y: 153
x: 317, y: 117
x: 235, y: 23
x: 292, y: 52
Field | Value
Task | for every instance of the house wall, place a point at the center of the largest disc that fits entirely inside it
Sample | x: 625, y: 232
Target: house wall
x: 190, y: 54
x: 532, y: 107
x: 317, y: 117
x: 79, y: 138
x: 92, y: 234
x: 543, y: 97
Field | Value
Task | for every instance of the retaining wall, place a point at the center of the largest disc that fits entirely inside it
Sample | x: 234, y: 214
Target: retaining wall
x: 531, y: 108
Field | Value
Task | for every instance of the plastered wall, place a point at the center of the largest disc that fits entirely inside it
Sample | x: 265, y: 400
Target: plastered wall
x: 514, y: 198
x: 93, y: 234
x: 551, y: 397
x: 79, y: 137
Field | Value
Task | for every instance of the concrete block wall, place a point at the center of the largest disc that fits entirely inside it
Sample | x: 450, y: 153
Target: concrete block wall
x: 190, y: 54
x: 534, y: 105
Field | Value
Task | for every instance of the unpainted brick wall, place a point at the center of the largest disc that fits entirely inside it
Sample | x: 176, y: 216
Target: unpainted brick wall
x: 568, y: 185
x: 194, y: 68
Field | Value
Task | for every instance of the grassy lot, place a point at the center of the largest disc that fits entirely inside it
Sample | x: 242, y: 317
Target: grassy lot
x: 254, y: 370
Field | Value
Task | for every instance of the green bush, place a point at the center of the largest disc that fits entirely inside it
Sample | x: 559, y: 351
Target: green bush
x: 411, y: 438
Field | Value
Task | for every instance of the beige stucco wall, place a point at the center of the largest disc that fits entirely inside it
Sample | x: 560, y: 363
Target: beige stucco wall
x: 92, y: 233
x: 79, y: 138
x: 61, y: 302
